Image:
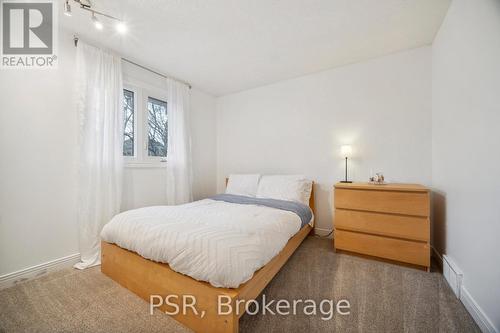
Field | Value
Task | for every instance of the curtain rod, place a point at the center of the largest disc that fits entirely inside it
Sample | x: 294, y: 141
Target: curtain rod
x: 75, y: 39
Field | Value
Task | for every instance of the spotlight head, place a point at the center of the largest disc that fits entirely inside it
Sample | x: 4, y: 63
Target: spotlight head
x: 98, y: 25
x: 67, y: 8
x: 121, y: 27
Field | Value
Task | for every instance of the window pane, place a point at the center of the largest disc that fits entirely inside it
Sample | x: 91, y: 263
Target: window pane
x: 157, y: 121
x: 128, y: 123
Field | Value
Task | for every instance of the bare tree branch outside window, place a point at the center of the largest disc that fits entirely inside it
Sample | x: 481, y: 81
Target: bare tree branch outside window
x: 158, y: 129
x: 128, y: 123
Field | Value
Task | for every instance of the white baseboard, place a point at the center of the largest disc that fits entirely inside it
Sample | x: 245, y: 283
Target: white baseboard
x: 11, y: 279
x: 477, y: 313
x: 454, y: 276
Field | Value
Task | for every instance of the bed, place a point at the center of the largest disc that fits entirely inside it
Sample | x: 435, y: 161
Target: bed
x: 146, y: 277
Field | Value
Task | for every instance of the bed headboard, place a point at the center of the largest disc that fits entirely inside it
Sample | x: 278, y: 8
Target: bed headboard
x: 311, y: 198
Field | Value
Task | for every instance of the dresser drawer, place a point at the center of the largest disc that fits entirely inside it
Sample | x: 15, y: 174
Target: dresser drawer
x: 395, y: 249
x: 409, y: 227
x: 408, y: 203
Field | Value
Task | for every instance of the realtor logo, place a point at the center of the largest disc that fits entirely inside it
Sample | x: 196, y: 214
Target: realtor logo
x: 28, y: 34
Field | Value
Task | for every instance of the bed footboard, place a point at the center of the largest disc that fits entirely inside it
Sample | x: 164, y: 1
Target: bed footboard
x: 145, y: 278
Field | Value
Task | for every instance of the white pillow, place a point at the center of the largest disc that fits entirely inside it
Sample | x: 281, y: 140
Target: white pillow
x: 291, y: 188
x: 243, y: 185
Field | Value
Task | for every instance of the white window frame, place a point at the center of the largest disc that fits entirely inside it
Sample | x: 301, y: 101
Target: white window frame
x: 142, y: 91
x: 133, y: 159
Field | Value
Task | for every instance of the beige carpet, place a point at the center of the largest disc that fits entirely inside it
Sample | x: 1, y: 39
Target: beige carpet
x: 383, y: 297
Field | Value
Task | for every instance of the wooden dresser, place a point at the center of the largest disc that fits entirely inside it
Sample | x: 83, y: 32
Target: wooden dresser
x: 387, y: 221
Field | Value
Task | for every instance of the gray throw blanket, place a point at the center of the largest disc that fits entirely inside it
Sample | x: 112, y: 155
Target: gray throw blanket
x: 303, y: 211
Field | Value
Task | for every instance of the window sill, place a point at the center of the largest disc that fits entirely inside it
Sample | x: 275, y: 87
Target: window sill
x: 149, y: 165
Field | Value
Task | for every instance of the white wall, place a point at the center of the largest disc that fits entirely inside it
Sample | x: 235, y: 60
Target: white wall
x: 466, y: 146
x: 204, y: 144
x: 38, y: 151
x: 382, y: 107
x: 38, y: 138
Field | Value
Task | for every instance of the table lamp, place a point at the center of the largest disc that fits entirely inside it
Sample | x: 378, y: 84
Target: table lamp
x: 346, y: 151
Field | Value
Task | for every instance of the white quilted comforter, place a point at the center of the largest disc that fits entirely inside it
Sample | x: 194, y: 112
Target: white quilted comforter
x: 214, y: 241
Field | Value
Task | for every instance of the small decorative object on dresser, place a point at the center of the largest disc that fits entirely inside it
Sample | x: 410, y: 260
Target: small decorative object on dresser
x: 390, y: 222
x: 378, y: 179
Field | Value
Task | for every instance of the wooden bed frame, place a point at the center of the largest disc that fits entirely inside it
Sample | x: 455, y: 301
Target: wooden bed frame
x: 145, y: 278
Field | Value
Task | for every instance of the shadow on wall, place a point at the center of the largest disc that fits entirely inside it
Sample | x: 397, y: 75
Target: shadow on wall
x: 323, y: 206
x: 438, y: 227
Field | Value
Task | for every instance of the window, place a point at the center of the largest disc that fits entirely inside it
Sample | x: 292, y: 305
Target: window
x: 128, y: 123
x: 145, y: 126
x: 157, y: 123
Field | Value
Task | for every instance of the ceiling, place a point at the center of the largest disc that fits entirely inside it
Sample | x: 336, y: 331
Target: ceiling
x: 224, y: 46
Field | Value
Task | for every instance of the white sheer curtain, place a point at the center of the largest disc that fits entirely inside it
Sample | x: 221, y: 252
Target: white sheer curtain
x: 99, y: 91
x: 179, y: 171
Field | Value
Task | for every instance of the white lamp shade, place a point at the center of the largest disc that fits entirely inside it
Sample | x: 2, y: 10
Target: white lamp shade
x: 346, y: 150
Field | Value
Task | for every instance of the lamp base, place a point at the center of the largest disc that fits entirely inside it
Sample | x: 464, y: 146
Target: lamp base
x: 346, y: 181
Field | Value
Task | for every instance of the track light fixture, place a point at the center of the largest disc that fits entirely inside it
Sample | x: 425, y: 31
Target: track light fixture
x: 98, y: 25
x: 67, y: 8
x: 87, y: 5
